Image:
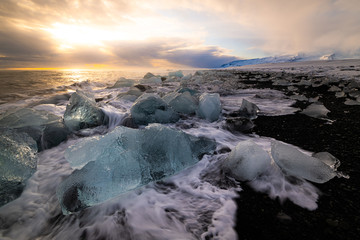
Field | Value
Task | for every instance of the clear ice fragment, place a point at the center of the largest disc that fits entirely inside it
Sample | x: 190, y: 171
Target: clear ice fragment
x: 209, y: 106
x: 181, y: 102
x: 125, y: 159
x: 82, y: 112
x: 247, y: 161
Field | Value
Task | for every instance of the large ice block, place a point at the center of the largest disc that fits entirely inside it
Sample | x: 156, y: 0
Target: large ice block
x: 316, y: 110
x: 123, y: 82
x: 45, y: 128
x: 150, y: 108
x: 125, y: 159
x: 82, y: 112
x: 182, y: 102
x: 18, y: 161
x: 209, y: 106
x: 247, y: 161
x: 298, y: 164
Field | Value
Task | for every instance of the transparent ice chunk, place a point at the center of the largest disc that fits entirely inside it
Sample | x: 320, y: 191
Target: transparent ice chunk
x: 150, y: 108
x: 247, y: 161
x: 182, y: 102
x: 18, y: 162
x: 82, y: 112
x: 298, y: 164
x: 125, y: 159
x: 209, y: 106
x: 248, y: 109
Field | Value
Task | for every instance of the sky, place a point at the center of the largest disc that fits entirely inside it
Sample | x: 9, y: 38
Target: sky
x: 139, y: 34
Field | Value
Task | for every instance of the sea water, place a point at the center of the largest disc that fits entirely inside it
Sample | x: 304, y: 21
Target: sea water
x: 197, y: 203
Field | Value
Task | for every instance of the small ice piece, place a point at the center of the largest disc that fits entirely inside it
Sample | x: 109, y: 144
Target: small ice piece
x: 248, y: 109
x: 209, y: 106
x: 150, y: 108
x: 298, y: 164
x: 148, y: 75
x: 316, y: 110
x: 334, y: 88
x: 177, y: 74
x: 125, y: 159
x: 123, y: 82
x: 181, y: 102
x: 82, y: 112
x: 340, y: 94
x: 247, y: 161
x: 299, y: 98
x: 327, y: 158
x: 18, y: 162
x: 352, y: 102
x: 151, y: 80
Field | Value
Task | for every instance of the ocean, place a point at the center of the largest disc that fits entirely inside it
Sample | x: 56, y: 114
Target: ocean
x: 197, y: 203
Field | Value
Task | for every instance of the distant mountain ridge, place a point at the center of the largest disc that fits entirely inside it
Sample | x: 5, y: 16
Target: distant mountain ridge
x: 276, y: 59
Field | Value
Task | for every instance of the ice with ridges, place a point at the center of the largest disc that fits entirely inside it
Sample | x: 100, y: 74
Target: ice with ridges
x: 125, y: 159
x: 82, y: 112
x: 150, y: 108
x: 209, y: 106
x: 298, y: 164
x: 247, y: 161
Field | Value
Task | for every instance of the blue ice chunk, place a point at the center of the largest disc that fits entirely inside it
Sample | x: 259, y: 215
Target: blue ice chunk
x: 18, y: 162
x: 150, y: 108
x: 125, y: 159
x: 82, y: 112
x: 209, y: 106
x: 182, y: 102
x: 45, y: 128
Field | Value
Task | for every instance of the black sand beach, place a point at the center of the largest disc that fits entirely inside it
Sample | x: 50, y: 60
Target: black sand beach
x: 338, y: 214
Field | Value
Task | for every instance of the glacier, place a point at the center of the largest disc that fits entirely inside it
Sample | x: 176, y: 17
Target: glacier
x: 125, y: 159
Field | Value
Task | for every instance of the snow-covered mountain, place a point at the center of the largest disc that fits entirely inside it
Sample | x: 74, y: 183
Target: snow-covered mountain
x: 277, y: 59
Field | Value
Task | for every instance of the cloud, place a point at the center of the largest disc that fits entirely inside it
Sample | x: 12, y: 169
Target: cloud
x: 196, y: 33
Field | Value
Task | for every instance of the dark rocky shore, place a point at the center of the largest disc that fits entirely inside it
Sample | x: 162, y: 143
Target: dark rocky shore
x: 338, y: 212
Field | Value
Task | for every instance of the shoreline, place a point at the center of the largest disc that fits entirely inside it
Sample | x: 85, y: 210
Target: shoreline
x: 337, y: 215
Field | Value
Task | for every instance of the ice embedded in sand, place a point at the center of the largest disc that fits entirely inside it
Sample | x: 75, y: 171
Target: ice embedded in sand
x: 247, y: 161
x: 150, y: 108
x: 18, y: 162
x: 82, y: 112
x: 298, y: 164
x: 209, y: 106
x: 125, y: 159
x: 316, y: 110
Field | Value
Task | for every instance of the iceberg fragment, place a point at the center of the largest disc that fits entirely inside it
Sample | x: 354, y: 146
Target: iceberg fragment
x: 45, y: 128
x: 181, y: 102
x: 82, y: 112
x: 300, y: 165
x: 123, y: 82
x: 248, y: 109
x: 316, y: 110
x: 18, y: 162
x: 209, y: 106
x: 247, y: 161
x: 150, y: 108
x: 125, y: 159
